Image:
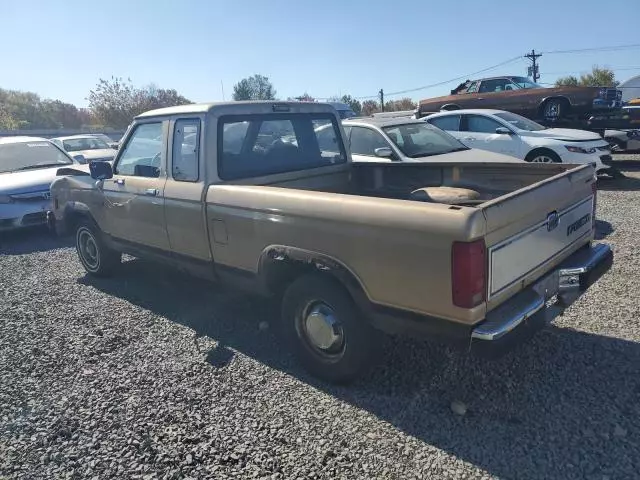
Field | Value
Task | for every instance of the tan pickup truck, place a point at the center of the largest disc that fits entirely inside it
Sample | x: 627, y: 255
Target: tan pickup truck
x: 477, y: 253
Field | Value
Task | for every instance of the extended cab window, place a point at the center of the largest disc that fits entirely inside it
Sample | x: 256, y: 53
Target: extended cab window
x: 258, y: 145
x: 184, y: 158
x: 142, y: 154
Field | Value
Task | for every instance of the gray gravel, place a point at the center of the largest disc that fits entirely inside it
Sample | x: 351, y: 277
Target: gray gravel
x: 151, y: 375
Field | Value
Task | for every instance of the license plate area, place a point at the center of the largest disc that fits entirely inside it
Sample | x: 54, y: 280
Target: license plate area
x: 548, y: 287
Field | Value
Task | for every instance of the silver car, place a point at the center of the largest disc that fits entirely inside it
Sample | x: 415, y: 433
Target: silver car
x: 86, y: 148
x: 28, y: 165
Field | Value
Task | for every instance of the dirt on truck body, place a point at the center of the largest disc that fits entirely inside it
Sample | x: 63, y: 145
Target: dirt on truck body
x: 472, y: 252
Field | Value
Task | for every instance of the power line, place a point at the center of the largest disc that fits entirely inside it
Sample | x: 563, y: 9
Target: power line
x: 597, y: 49
x: 617, y: 69
x: 410, y: 90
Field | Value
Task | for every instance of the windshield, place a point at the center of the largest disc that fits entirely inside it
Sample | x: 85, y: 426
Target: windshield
x: 519, y: 122
x: 524, y: 82
x: 27, y: 155
x: 85, y: 143
x: 422, y: 140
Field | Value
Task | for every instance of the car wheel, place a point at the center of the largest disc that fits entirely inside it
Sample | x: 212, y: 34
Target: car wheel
x: 555, y: 108
x: 325, y: 330
x: 96, y: 258
x: 543, y: 156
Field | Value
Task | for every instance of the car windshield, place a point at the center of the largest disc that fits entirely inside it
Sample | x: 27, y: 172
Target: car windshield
x: 524, y: 82
x: 30, y: 155
x: 519, y: 122
x: 422, y: 140
x: 84, y: 143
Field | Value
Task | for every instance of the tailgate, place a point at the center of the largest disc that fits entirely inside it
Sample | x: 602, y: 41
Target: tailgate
x: 533, y: 229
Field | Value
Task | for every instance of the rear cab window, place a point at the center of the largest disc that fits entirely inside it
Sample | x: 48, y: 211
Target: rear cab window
x: 264, y: 144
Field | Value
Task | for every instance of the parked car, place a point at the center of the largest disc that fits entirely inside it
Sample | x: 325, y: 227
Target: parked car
x: 28, y: 165
x: 407, y: 140
x: 522, y: 96
x: 86, y: 147
x: 623, y: 140
x: 510, y: 134
x: 343, y: 109
x: 464, y: 251
x: 106, y: 139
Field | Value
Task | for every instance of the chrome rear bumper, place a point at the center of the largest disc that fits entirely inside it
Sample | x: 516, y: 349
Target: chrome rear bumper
x: 539, y: 304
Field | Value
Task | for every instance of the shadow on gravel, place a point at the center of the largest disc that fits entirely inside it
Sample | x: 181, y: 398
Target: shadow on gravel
x: 603, y: 229
x: 31, y: 240
x: 630, y: 184
x: 565, y: 405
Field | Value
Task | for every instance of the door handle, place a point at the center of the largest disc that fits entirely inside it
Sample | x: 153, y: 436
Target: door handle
x: 469, y: 139
x: 119, y: 181
x: 152, y: 192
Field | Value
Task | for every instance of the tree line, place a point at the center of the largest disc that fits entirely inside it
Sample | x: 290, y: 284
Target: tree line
x: 114, y: 102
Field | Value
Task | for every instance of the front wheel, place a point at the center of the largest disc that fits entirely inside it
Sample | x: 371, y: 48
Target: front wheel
x: 325, y: 330
x: 97, y: 258
x: 543, y: 156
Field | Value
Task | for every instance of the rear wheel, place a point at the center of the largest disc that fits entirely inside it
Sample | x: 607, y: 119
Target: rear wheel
x: 325, y: 330
x: 555, y: 109
x: 543, y: 156
x: 97, y: 258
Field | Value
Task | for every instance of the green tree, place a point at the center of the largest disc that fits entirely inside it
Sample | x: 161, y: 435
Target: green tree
x: 255, y: 87
x: 7, y: 122
x: 355, y: 105
x: 369, y: 107
x: 115, y: 102
x: 399, y: 105
x: 569, y: 81
x: 305, y: 97
x: 598, y: 77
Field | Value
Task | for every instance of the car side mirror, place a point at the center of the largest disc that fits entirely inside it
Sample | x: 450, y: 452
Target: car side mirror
x: 100, y: 170
x: 503, y: 131
x: 114, y: 145
x: 80, y: 159
x: 383, y: 152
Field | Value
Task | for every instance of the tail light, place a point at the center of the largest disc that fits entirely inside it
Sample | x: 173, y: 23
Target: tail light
x: 594, y: 190
x: 468, y: 273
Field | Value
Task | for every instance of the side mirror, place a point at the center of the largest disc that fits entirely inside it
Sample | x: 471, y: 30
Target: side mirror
x: 503, y: 131
x: 80, y: 159
x: 114, y: 145
x: 100, y: 170
x: 383, y: 152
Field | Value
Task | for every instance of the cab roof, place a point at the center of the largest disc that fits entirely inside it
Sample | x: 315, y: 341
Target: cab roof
x: 199, y: 108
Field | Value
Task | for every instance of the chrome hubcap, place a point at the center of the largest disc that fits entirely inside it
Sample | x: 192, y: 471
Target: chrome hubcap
x: 542, y: 159
x: 88, y: 249
x: 322, y: 328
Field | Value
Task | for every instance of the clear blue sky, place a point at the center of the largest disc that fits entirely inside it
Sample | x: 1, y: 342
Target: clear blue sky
x: 60, y: 49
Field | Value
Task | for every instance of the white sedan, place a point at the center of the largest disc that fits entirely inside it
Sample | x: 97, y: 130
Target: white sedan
x: 507, y: 133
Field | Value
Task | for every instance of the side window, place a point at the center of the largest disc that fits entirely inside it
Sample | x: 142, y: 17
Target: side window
x: 450, y: 123
x: 186, y: 143
x: 142, y: 155
x: 364, y: 141
x: 493, y: 85
x: 473, y: 88
x: 479, y: 124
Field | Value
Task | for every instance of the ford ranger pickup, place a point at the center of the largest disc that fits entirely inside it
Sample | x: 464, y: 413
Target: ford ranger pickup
x: 480, y: 254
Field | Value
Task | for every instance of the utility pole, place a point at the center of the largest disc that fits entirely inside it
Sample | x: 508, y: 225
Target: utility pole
x: 533, y: 69
x: 381, y: 92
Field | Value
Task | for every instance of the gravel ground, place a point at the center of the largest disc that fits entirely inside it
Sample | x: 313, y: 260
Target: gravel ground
x: 152, y: 375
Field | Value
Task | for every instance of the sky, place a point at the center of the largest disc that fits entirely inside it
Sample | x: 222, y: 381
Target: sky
x: 201, y: 48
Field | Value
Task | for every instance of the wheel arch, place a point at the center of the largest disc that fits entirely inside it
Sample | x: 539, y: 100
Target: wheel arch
x: 540, y: 150
x: 280, y: 265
